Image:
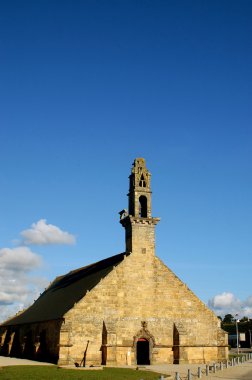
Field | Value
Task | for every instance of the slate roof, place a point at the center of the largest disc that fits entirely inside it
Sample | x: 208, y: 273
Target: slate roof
x: 65, y: 291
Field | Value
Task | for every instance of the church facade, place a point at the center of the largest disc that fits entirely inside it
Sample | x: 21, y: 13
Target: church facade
x: 126, y: 309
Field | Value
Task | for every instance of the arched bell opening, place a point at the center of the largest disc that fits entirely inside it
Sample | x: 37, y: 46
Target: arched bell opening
x: 142, y: 182
x: 142, y: 206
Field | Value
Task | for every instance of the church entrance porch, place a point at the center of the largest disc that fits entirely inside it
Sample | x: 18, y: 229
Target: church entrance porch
x: 143, y: 351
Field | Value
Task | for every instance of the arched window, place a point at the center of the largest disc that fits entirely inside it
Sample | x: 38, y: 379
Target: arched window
x: 142, y: 182
x: 143, y: 206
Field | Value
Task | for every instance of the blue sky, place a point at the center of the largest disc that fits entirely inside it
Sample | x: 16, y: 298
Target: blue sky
x: 85, y: 87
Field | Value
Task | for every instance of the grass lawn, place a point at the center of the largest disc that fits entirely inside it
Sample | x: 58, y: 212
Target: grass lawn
x: 54, y: 373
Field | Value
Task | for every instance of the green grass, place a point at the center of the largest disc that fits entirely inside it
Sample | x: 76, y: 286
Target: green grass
x: 55, y: 373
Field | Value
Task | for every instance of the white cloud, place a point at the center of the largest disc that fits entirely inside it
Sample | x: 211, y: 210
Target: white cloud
x: 16, y: 258
x: 17, y: 287
x: 227, y: 303
x: 42, y: 233
x: 249, y: 301
x: 225, y: 300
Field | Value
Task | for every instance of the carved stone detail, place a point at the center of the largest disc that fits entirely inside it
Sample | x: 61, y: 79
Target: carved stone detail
x: 145, y: 334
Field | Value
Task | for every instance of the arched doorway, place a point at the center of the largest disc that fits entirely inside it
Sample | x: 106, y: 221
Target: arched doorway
x: 143, y: 351
x: 143, y: 343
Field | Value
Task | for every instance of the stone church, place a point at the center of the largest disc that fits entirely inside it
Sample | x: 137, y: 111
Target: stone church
x: 126, y: 309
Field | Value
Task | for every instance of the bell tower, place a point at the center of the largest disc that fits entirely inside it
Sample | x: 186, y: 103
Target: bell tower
x: 138, y: 222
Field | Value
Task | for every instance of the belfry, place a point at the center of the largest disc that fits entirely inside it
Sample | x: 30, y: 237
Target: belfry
x: 138, y: 222
x: 129, y: 308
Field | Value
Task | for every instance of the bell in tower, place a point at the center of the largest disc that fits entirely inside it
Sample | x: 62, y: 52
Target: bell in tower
x: 138, y: 223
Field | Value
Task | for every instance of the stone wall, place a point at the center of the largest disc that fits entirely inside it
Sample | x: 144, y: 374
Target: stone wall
x: 179, y: 328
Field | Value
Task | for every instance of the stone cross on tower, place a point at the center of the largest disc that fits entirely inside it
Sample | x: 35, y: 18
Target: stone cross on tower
x: 138, y: 223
